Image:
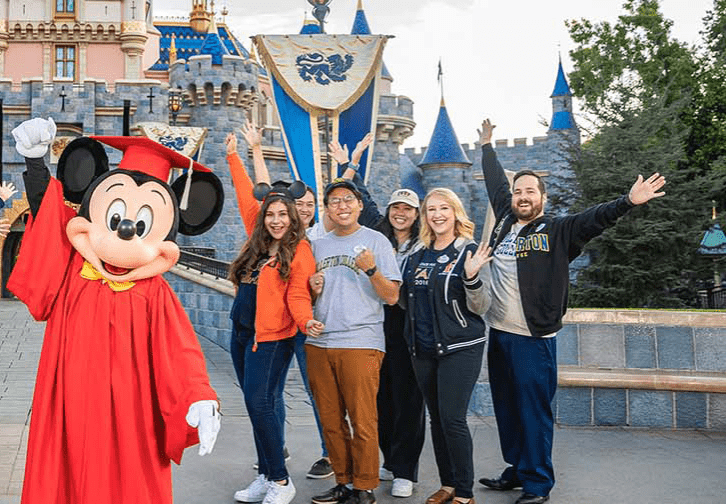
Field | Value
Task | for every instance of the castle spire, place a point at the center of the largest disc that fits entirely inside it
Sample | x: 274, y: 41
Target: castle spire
x: 561, y: 86
x: 213, y: 45
x: 562, y: 118
x: 360, y: 27
x: 172, y: 48
x: 444, y: 147
x: 310, y: 26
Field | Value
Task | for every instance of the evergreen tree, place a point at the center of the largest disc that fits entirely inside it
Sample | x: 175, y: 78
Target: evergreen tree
x: 639, y: 86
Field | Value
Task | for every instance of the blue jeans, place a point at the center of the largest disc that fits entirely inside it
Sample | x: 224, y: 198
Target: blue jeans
x: 240, y: 343
x: 523, y: 379
x: 264, y: 374
x: 302, y: 363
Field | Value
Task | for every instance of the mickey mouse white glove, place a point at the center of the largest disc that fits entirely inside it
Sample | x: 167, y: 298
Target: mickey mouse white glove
x: 33, y: 137
x: 204, y: 415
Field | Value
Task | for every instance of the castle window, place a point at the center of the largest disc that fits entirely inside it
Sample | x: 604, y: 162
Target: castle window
x: 65, y: 61
x: 65, y: 8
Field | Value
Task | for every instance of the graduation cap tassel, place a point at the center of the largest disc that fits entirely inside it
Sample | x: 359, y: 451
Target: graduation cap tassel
x: 184, y: 204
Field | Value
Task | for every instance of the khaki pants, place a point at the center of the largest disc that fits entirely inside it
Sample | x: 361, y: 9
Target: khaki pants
x: 345, y: 381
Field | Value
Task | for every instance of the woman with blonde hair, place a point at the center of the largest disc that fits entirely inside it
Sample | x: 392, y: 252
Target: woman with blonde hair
x: 446, y: 290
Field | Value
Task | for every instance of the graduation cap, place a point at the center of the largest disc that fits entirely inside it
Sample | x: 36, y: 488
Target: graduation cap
x: 199, y: 192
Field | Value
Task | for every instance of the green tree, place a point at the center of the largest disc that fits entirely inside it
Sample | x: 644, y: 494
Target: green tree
x: 638, y: 85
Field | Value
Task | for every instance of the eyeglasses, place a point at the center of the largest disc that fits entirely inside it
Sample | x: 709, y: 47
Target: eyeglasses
x: 335, y: 202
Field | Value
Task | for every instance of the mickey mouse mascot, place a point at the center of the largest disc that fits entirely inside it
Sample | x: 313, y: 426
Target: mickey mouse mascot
x: 122, y: 387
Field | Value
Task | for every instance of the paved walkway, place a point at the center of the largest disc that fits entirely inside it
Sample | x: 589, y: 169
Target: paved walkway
x: 593, y: 465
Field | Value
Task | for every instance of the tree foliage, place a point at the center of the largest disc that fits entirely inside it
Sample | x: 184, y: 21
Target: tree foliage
x: 652, y: 102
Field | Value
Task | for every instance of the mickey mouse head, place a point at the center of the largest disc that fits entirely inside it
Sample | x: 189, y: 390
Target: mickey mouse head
x: 129, y: 217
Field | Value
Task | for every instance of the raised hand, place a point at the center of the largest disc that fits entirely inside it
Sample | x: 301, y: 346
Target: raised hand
x: 7, y: 189
x: 474, y: 262
x: 645, y: 190
x: 251, y: 133
x: 485, y: 133
x: 361, y: 147
x: 340, y: 154
x: 32, y: 137
x: 231, y: 142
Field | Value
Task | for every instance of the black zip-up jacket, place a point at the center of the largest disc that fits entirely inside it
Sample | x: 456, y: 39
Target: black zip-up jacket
x: 457, y: 304
x: 545, y: 247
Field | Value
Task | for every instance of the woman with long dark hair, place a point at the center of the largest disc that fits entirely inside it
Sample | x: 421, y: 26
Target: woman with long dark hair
x: 272, y: 303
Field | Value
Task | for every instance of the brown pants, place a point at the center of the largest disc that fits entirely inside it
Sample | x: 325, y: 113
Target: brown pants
x: 345, y: 380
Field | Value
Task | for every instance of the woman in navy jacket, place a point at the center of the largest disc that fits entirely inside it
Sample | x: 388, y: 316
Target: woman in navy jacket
x: 445, y: 291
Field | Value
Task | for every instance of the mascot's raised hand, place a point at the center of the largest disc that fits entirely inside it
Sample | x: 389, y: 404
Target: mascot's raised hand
x: 33, y: 137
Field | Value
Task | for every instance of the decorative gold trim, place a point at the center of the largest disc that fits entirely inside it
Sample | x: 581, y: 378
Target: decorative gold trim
x: 133, y: 27
x: 268, y: 63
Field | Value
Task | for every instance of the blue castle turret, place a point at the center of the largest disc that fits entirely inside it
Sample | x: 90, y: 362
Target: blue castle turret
x: 310, y: 27
x: 360, y: 27
x: 562, y: 118
x: 445, y: 164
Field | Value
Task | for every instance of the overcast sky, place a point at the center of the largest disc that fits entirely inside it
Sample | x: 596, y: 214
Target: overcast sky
x: 499, y: 57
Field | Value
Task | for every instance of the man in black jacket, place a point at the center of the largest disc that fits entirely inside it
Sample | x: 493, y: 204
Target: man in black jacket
x: 530, y: 277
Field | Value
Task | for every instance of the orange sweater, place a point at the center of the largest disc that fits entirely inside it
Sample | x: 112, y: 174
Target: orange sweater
x: 282, y: 307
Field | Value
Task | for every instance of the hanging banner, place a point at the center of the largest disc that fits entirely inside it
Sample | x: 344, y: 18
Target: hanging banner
x: 323, y: 79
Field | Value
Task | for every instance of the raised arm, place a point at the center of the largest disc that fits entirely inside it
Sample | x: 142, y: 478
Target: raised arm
x: 500, y: 195
x: 248, y: 206
x: 253, y: 137
x: 370, y: 216
x: 590, y: 223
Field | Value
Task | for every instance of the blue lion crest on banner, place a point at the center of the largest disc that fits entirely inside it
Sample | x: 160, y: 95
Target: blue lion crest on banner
x: 324, y: 70
x: 175, y: 143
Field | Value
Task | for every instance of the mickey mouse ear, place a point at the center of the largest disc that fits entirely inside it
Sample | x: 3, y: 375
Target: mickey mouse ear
x: 206, y: 199
x: 82, y: 161
x: 297, y: 189
x: 261, y: 190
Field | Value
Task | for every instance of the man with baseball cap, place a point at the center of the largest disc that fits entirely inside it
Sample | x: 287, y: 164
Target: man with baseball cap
x: 356, y: 274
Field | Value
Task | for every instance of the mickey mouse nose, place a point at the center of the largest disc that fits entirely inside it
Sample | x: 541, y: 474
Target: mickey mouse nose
x: 126, y: 229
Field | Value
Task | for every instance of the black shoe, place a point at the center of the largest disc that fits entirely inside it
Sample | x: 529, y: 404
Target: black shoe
x: 338, y: 493
x: 528, y: 498
x: 320, y: 469
x: 500, y: 484
x: 362, y: 497
x: 286, y: 454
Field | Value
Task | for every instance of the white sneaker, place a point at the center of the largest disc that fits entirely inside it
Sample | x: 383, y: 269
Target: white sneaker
x: 402, y: 487
x: 384, y: 474
x: 253, y: 493
x: 279, y: 494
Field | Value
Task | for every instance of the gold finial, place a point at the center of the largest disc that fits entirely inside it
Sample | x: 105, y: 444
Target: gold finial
x: 442, y: 102
x: 172, y: 49
x: 360, y: 4
x: 199, y: 17
x: 713, y: 209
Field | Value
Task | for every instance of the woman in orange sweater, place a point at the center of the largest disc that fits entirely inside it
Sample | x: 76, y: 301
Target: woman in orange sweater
x: 273, y: 301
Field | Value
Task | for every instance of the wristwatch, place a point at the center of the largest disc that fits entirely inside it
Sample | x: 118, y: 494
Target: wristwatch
x: 353, y: 166
x: 372, y: 271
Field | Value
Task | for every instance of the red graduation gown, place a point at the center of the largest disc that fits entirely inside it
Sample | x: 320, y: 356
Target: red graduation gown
x: 117, y: 373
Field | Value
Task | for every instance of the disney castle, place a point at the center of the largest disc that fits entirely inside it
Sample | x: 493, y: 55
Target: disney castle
x: 108, y: 67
